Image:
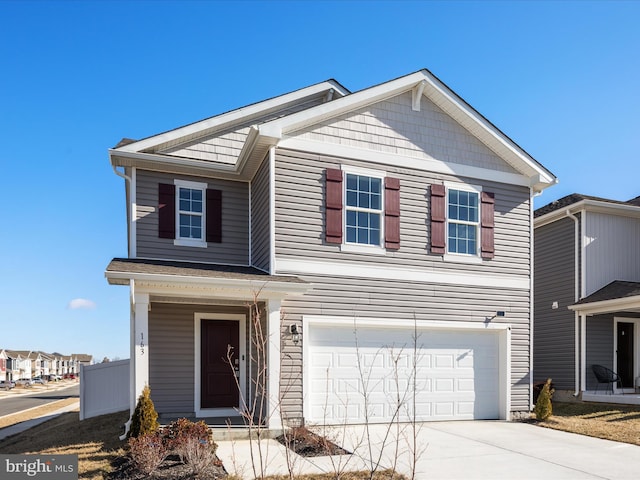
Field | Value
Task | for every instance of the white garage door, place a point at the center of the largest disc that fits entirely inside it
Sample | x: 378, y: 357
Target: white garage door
x: 348, y: 375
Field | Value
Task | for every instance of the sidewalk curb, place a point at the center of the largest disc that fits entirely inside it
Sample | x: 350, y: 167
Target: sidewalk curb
x: 26, y: 425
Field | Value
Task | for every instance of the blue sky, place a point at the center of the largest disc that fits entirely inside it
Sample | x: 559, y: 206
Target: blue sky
x: 560, y: 78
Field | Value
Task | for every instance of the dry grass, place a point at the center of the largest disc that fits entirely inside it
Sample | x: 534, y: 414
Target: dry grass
x: 37, y: 412
x: 620, y: 423
x: 95, y: 441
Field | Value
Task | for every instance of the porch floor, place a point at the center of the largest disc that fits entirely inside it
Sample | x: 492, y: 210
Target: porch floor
x: 226, y: 428
x: 601, y: 396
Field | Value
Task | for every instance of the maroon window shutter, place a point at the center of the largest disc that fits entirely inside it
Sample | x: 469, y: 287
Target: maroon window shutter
x: 333, y: 205
x: 214, y: 216
x: 392, y: 213
x: 438, y: 209
x: 166, y: 210
x: 487, y: 201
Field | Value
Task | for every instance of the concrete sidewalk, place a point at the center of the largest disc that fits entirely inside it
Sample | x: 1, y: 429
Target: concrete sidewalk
x: 455, y: 450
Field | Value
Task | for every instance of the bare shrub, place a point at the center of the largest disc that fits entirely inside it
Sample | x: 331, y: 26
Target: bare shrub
x: 178, y: 436
x: 200, y: 456
x: 147, y: 452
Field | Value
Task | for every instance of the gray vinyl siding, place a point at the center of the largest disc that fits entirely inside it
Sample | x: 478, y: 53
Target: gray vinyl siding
x: 612, y: 251
x: 599, y: 345
x: 233, y: 250
x: 260, y: 219
x: 392, y: 126
x: 172, y: 356
x: 300, y: 236
x: 224, y: 146
x: 300, y: 218
x: 379, y: 298
x: 554, y: 329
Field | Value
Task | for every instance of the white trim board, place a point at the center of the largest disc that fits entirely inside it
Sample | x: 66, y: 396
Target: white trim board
x: 401, y: 161
x: 389, y: 272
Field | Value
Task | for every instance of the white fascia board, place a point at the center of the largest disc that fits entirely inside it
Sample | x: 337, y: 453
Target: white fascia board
x: 224, y: 119
x: 400, y: 161
x: 441, y: 96
x: 114, y: 155
x: 347, y: 321
x: 339, y: 106
x: 155, y: 283
x: 608, y: 306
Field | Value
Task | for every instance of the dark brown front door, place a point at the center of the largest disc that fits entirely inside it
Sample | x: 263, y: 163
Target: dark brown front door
x: 625, y: 353
x: 218, y: 383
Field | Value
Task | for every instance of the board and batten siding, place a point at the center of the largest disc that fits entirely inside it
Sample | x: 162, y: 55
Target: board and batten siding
x: 260, y: 217
x: 554, y: 281
x: 172, y: 356
x: 392, y: 126
x: 300, y: 233
x: 611, y: 250
x: 234, y: 248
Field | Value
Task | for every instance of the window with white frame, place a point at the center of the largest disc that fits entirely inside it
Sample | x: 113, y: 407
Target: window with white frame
x: 190, y: 212
x: 463, y: 221
x: 363, y: 209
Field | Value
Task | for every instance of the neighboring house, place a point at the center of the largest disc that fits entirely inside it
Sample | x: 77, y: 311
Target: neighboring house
x: 20, y: 364
x: 36, y: 364
x: 82, y: 359
x: 3, y: 365
x: 392, y: 210
x: 587, y: 293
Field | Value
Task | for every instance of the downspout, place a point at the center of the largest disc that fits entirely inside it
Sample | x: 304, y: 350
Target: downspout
x: 130, y: 208
x: 576, y: 297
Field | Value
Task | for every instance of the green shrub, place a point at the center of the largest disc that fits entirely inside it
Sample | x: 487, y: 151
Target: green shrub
x: 543, y: 408
x: 145, y: 417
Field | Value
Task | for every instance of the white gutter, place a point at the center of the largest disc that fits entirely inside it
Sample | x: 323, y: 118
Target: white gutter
x: 576, y: 297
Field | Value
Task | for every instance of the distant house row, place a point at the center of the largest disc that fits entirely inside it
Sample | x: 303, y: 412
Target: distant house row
x: 26, y: 364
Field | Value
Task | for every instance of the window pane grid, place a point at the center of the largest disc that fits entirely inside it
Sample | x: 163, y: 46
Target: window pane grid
x: 190, y: 213
x: 363, y: 209
x: 463, y: 214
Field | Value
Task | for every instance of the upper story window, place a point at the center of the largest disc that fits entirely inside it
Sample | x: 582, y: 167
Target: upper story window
x: 363, y: 209
x: 364, y: 205
x: 189, y: 213
x: 462, y: 222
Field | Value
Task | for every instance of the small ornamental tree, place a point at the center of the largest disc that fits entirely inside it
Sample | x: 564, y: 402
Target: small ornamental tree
x: 543, y: 408
x: 145, y: 417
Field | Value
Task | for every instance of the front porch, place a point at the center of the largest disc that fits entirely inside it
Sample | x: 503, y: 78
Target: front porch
x: 206, y: 339
x: 620, y: 398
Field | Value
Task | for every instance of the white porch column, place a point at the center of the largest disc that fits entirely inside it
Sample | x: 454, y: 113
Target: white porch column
x: 273, y: 363
x: 139, y: 367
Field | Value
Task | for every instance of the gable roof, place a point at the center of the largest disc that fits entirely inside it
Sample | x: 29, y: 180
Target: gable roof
x: 577, y: 201
x: 269, y: 123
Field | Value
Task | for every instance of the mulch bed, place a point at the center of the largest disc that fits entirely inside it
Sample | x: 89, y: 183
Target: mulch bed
x: 171, y: 469
x: 306, y: 443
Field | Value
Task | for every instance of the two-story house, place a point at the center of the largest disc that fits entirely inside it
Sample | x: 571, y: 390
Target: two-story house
x: 389, y: 226
x: 3, y: 365
x: 587, y: 295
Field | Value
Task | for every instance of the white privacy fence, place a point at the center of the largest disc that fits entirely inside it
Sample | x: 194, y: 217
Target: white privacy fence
x: 104, y: 388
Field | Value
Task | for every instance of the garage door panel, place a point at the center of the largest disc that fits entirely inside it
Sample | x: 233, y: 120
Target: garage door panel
x: 456, y: 374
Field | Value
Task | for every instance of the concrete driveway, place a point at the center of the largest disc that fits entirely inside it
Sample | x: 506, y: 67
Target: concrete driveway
x: 459, y: 450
